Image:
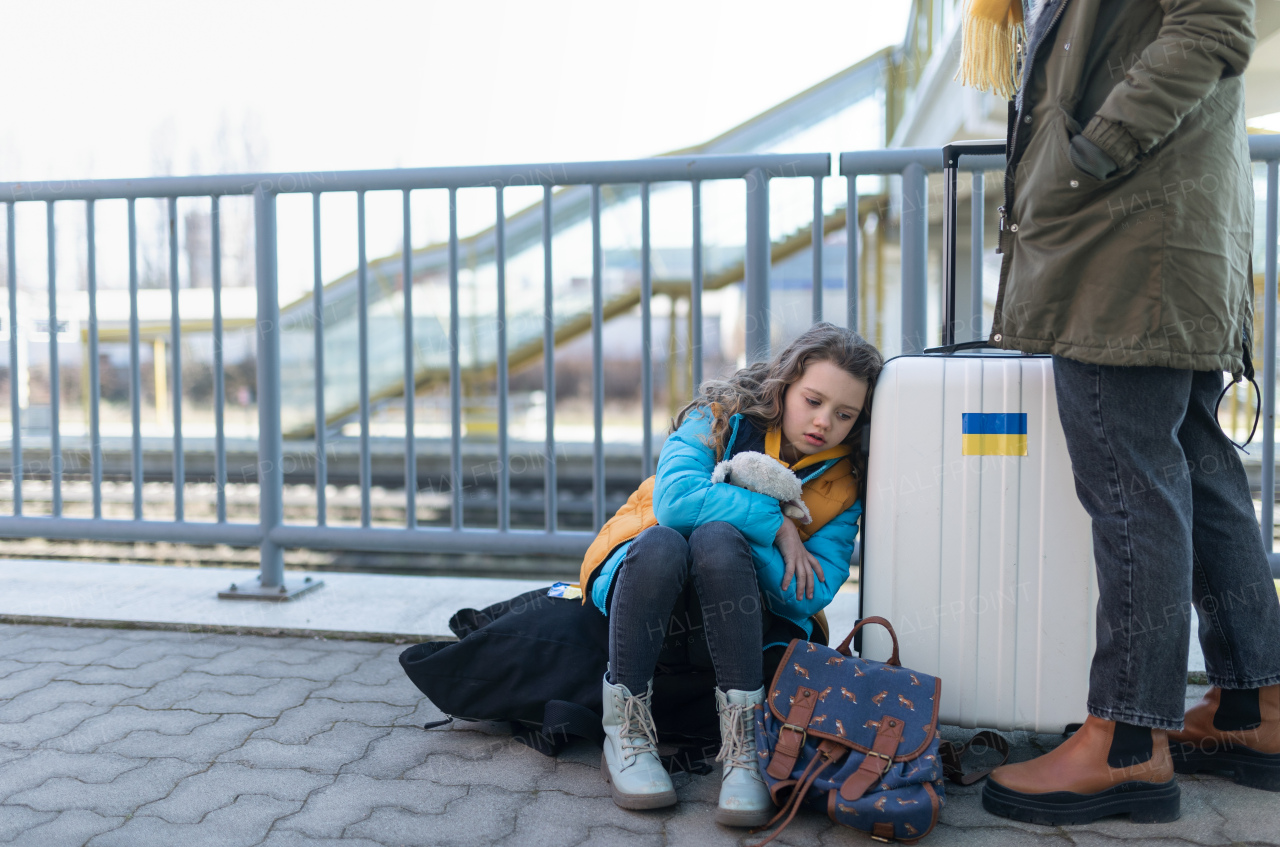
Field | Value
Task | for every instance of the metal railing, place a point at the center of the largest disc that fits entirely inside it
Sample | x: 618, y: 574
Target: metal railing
x: 272, y: 534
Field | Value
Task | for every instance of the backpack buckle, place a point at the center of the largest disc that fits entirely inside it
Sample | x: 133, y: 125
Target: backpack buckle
x: 888, y: 761
x: 804, y: 734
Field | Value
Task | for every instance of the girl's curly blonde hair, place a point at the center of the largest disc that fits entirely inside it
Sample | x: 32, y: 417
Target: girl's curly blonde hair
x: 757, y: 390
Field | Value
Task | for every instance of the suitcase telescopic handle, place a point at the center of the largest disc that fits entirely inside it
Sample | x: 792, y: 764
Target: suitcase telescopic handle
x: 951, y: 155
x: 843, y: 649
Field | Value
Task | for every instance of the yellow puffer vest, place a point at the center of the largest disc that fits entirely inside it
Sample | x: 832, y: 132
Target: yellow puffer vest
x: 827, y: 496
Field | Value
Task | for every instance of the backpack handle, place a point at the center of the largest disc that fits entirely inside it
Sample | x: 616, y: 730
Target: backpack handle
x: 844, y: 645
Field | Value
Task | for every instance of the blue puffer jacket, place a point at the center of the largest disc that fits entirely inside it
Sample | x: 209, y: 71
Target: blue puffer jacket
x: 684, y: 498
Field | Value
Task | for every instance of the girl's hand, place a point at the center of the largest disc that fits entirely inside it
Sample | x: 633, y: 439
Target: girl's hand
x: 801, y: 564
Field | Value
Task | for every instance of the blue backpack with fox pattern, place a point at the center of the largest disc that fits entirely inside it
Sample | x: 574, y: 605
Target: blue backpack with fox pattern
x: 854, y: 739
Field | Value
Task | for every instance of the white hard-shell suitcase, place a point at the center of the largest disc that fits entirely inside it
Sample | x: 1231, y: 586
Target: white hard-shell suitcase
x: 980, y: 556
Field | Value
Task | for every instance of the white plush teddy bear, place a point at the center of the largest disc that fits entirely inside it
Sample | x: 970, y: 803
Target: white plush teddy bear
x: 765, y: 475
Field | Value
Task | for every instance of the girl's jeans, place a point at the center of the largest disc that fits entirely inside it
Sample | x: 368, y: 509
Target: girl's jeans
x: 1173, y: 524
x: 651, y: 578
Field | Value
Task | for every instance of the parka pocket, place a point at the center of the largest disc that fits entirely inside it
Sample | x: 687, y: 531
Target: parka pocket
x: 1073, y: 182
x: 1067, y: 194
x: 1049, y: 190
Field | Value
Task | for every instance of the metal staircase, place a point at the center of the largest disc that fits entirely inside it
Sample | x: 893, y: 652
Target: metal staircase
x: 570, y: 208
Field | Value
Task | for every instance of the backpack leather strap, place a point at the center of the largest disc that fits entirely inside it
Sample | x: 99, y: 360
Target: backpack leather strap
x: 844, y: 650
x: 877, y: 762
x: 792, y: 735
x: 828, y: 752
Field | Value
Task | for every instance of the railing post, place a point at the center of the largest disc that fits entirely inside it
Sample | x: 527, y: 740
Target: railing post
x: 15, y: 362
x: 548, y: 367
x: 317, y: 319
x: 55, y: 381
x: 695, y: 290
x: 1268, y: 493
x: 362, y: 360
x: 818, y: 233
x: 95, y: 384
x: 175, y: 352
x: 646, y: 320
x: 851, y: 281
x: 270, y: 438
x: 135, y: 368
x: 977, y: 245
x: 915, y: 257
x: 756, y: 266
x: 949, y: 190
x: 597, y: 363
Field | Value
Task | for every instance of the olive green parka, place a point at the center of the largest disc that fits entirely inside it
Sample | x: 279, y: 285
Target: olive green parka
x: 1150, y: 265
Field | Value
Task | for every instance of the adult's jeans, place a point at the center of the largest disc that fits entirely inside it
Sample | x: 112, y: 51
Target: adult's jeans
x: 1173, y: 524
x: 652, y: 577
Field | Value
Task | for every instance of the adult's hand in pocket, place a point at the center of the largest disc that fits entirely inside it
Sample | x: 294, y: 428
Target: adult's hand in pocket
x: 801, y: 565
x: 1090, y: 159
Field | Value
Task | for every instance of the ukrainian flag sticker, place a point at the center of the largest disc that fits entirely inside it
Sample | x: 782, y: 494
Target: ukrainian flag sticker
x: 994, y: 434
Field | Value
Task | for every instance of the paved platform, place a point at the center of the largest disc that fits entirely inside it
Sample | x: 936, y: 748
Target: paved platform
x: 140, y: 737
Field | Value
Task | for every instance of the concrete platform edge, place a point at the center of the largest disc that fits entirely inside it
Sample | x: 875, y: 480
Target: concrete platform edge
x: 270, y: 632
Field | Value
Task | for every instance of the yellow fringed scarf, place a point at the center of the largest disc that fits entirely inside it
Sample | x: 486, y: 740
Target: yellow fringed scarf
x: 993, y: 29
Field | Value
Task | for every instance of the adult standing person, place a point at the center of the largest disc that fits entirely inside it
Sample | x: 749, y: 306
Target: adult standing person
x: 1126, y: 232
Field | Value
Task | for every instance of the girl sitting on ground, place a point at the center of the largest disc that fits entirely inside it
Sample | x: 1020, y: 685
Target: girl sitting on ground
x: 761, y: 579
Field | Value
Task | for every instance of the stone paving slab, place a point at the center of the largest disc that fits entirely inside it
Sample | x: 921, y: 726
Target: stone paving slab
x: 133, y: 738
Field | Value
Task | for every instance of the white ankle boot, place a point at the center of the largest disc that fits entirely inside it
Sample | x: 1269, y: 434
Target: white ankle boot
x: 630, y: 762
x: 744, y: 798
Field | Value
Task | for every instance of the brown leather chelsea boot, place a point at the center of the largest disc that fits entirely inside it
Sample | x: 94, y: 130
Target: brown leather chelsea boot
x: 1104, y: 769
x: 1235, y: 733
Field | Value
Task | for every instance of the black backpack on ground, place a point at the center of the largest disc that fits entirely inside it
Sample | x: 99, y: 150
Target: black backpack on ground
x: 536, y: 662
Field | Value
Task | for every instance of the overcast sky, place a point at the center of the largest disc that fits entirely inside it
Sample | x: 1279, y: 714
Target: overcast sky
x: 140, y: 88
